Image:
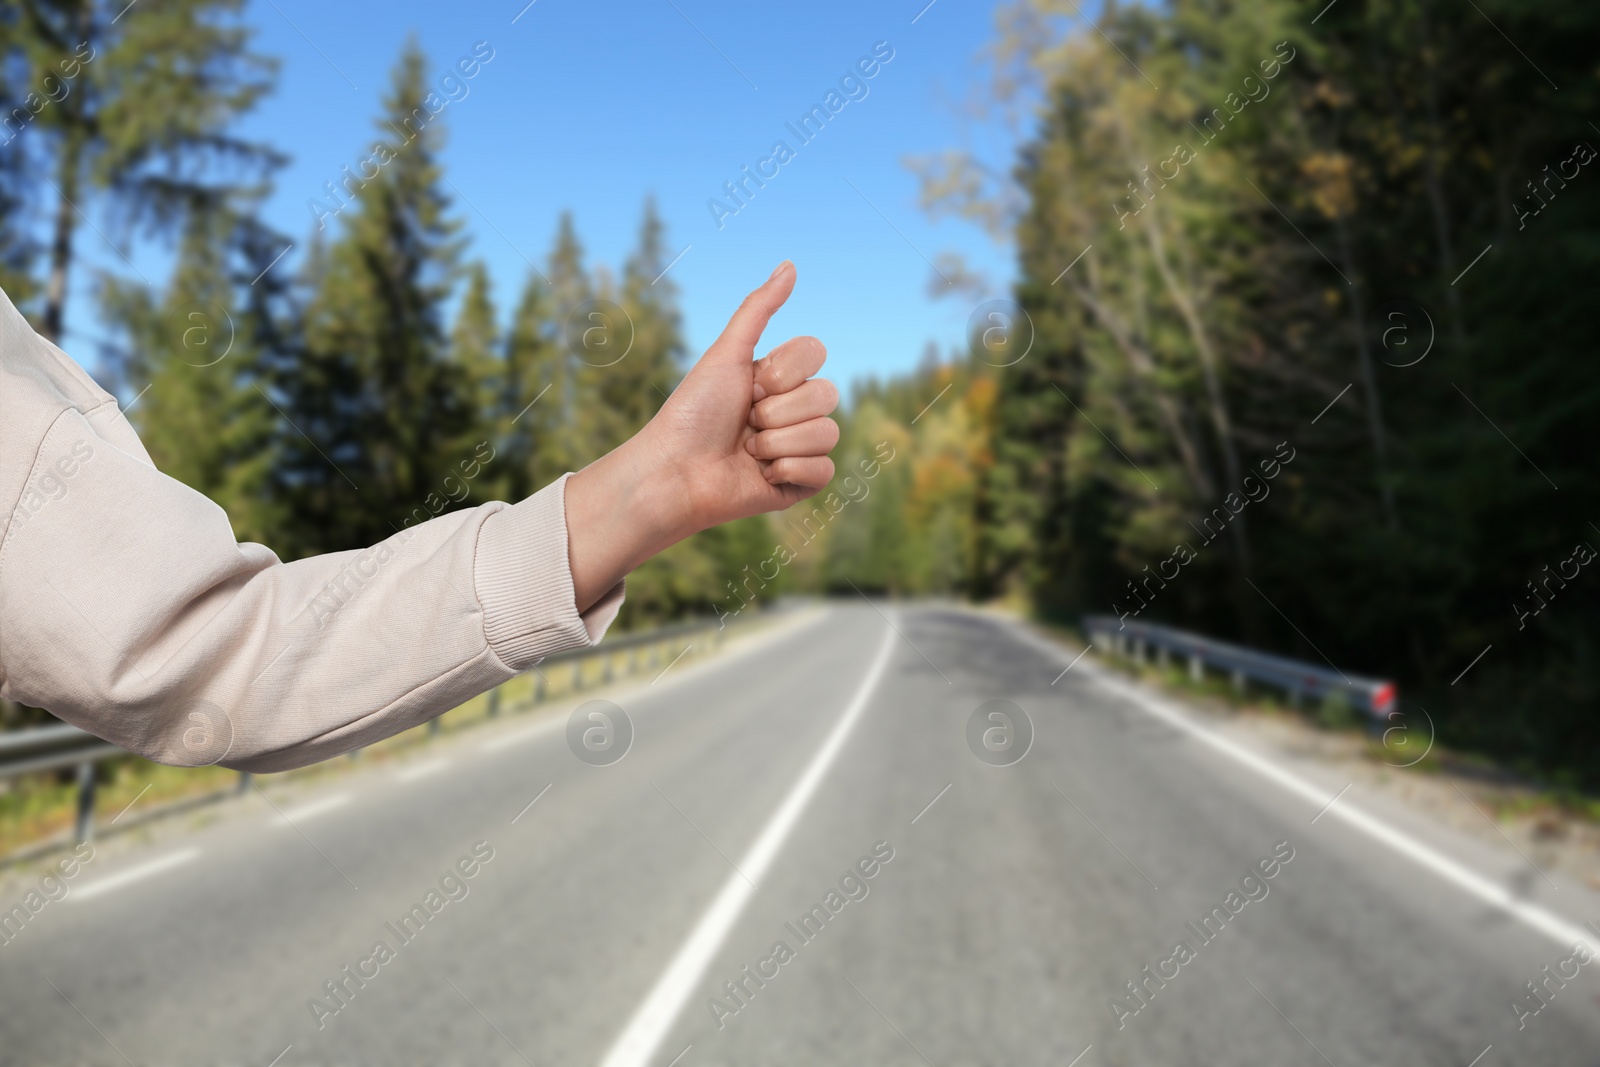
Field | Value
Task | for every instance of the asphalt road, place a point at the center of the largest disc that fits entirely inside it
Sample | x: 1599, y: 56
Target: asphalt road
x: 1018, y: 900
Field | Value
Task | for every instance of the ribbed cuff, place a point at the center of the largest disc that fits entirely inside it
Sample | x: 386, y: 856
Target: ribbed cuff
x: 523, y: 579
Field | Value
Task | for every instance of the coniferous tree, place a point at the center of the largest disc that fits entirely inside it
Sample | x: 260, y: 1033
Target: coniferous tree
x: 377, y: 407
x: 193, y: 362
x: 478, y: 361
x: 133, y: 107
x: 534, y: 363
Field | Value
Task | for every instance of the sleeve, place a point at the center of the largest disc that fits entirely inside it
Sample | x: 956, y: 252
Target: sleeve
x: 128, y: 609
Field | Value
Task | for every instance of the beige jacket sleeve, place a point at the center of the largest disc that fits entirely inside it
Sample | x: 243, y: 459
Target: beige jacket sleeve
x: 127, y: 607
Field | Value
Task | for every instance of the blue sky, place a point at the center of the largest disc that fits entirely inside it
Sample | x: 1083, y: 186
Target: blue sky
x: 591, y: 106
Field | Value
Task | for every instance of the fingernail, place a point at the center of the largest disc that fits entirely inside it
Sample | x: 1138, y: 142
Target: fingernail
x: 779, y: 270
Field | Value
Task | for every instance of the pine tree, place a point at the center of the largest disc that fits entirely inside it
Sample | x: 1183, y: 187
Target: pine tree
x: 139, y: 115
x: 194, y: 361
x: 378, y: 410
x: 534, y: 431
x: 477, y: 360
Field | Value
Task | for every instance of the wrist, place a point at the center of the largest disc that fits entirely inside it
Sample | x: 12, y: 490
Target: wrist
x: 621, y: 509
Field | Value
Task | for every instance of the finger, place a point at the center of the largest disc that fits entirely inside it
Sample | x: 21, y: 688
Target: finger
x: 811, y: 472
x: 806, y: 401
x: 814, y: 437
x: 788, y: 365
x: 743, y: 332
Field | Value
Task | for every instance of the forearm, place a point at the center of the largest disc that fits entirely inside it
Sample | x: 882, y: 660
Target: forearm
x: 129, y: 610
x: 621, y: 509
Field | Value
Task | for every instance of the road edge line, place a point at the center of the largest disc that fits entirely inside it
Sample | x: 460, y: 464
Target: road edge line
x: 1560, y: 930
x: 648, y: 1027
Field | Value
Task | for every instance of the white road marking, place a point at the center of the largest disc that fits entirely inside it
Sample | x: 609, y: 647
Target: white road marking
x: 421, y: 770
x: 742, y: 648
x: 311, y: 809
x: 642, y: 1038
x: 515, y: 737
x: 1542, y: 920
x: 135, y: 874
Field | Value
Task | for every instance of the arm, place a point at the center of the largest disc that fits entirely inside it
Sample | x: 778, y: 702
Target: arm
x: 127, y: 607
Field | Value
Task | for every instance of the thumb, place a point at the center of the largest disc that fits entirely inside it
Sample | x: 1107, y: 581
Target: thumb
x: 743, y: 332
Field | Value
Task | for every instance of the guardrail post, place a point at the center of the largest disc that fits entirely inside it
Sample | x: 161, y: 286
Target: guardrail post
x: 1196, y: 668
x: 609, y: 662
x: 244, y: 782
x: 1161, y: 656
x: 1238, y: 682
x: 538, y: 687
x: 577, y: 675
x: 1138, y: 651
x: 494, y: 702
x: 85, y: 821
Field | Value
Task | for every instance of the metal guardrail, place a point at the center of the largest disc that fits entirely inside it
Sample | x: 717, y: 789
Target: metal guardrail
x: 54, y: 748
x: 1301, y: 681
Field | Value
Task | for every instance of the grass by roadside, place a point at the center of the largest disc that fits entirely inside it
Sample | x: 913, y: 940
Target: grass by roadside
x: 1409, y: 746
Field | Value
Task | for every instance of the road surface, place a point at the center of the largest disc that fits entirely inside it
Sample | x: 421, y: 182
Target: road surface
x: 1007, y: 905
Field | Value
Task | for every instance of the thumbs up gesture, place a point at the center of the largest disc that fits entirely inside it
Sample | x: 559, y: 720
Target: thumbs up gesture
x: 738, y: 437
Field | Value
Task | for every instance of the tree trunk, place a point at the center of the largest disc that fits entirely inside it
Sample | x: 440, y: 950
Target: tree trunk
x: 1369, y: 380
x: 66, y: 222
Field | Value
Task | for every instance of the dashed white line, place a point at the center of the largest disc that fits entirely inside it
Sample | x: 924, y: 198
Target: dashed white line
x: 421, y: 770
x: 516, y: 737
x: 136, y: 874
x: 644, y: 1033
x: 312, y: 809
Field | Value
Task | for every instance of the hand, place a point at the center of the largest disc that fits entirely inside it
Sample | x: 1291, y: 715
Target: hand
x: 738, y: 437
